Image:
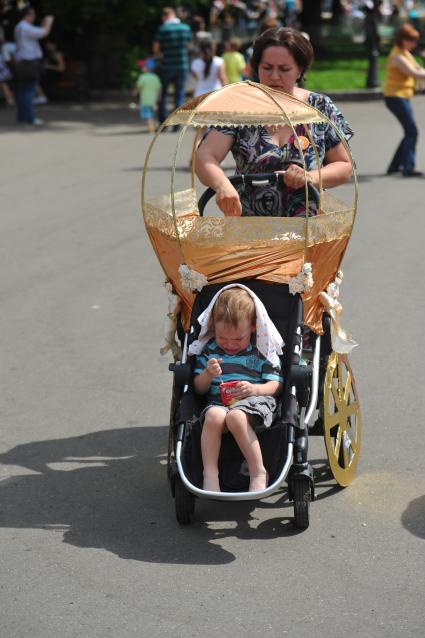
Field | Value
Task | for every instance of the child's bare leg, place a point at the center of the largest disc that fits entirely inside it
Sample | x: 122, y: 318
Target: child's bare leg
x: 212, y: 430
x: 151, y: 125
x: 238, y: 424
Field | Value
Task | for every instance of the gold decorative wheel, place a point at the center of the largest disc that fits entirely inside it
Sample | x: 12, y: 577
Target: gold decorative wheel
x: 342, y: 421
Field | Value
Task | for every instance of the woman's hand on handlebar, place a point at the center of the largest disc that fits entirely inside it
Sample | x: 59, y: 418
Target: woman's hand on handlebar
x: 228, y: 200
x: 295, y: 177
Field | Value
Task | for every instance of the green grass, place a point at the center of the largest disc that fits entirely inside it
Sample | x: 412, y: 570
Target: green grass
x: 342, y: 74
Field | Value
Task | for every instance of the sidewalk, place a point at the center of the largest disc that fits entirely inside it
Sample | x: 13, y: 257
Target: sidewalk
x: 359, y: 95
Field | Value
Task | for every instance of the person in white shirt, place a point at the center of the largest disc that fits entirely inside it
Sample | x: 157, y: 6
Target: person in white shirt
x: 28, y: 58
x: 208, y: 69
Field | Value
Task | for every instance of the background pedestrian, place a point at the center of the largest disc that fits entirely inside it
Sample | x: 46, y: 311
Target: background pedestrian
x: 208, y: 69
x: 171, y: 44
x: 402, y: 72
x: 234, y: 62
x: 29, y: 62
x: 148, y: 86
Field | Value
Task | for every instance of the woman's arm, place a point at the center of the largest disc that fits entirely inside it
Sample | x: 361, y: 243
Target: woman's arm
x: 209, y: 155
x: 414, y: 69
x: 194, y: 70
x: 222, y: 74
x: 47, y: 24
x: 336, y: 170
x: 60, y: 63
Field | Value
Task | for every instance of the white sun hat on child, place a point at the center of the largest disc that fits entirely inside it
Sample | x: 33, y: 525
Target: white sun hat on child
x: 268, y: 339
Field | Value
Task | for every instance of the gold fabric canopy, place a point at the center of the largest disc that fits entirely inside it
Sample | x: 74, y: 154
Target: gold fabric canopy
x: 224, y: 249
x: 245, y: 104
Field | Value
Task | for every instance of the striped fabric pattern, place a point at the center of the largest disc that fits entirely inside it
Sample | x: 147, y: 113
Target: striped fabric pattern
x: 248, y: 365
x: 173, y: 38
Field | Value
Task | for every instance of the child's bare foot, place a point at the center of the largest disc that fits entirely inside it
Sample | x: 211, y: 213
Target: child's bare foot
x: 211, y: 484
x: 259, y: 481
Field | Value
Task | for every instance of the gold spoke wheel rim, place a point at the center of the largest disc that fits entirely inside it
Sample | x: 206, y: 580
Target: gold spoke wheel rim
x: 342, y: 422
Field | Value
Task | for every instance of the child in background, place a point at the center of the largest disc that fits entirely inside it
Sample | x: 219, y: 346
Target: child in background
x: 234, y: 62
x: 208, y: 69
x: 244, y: 348
x: 148, y: 86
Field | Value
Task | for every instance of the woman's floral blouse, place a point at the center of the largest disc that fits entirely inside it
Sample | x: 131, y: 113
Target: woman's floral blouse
x: 254, y: 152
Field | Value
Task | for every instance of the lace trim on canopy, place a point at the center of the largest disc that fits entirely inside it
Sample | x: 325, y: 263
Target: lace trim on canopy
x: 228, y: 231
x: 235, y: 120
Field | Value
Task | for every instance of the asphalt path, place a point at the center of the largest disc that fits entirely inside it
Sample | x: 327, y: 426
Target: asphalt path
x: 90, y: 544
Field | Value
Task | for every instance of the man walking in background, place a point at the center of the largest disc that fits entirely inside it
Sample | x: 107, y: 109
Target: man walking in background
x: 172, y: 43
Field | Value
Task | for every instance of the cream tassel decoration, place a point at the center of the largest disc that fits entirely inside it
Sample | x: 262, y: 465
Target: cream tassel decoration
x: 342, y: 341
x: 170, y: 342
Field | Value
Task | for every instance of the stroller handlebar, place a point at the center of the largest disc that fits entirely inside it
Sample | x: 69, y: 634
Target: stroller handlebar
x: 255, y: 180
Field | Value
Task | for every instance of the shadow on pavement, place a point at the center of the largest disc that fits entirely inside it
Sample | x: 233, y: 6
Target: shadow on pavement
x: 60, y: 116
x: 108, y: 490
x: 57, y: 115
x: 413, y: 517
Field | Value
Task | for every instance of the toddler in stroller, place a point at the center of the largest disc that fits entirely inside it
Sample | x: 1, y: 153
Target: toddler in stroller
x: 235, y: 355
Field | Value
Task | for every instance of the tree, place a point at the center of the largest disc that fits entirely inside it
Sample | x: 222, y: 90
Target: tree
x: 311, y: 18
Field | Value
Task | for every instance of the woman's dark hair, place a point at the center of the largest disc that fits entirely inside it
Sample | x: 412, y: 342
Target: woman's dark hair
x: 207, y: 49
x: 26, y: 11
x: 296, y: 42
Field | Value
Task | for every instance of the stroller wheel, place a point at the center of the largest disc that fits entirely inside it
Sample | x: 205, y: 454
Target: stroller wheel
x: 342, y: 422
x: 185, y: 504
x: 302, y: 497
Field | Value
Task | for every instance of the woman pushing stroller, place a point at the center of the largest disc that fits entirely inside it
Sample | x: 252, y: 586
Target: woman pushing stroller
x: 281, y: 57
x: 238, y: 346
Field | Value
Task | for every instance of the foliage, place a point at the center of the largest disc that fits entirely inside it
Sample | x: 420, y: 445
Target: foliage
x: 341, y: 74
x: 130, y: 69
x: 108, y: 13
x: 113, y: 14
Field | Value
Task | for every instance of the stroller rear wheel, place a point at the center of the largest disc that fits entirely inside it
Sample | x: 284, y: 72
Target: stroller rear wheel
x: 342, y: 420
x: 302, y: 497
x: 185, y: 503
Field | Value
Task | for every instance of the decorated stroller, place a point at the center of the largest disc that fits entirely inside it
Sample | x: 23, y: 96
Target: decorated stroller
x: 292, y: 263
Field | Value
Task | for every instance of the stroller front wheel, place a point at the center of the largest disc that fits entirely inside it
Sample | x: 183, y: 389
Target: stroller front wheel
x: 302, y: 497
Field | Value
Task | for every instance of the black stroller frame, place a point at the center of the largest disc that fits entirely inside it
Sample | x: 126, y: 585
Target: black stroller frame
x: 297, y: 405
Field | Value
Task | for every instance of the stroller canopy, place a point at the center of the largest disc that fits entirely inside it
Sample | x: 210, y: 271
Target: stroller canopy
x: 225, y: 249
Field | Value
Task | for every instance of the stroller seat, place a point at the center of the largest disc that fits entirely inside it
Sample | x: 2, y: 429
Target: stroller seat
x: 282, y: 308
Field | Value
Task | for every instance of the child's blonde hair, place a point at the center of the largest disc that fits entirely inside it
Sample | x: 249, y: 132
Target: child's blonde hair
x: 233, y: 306
x: 235, y: 43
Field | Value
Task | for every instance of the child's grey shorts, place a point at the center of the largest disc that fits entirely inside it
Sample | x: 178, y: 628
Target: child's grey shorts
x: 260, y: 410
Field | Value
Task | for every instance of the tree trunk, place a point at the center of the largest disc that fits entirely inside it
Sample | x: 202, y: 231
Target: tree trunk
x: 311, y: 13
x: 311, y: 19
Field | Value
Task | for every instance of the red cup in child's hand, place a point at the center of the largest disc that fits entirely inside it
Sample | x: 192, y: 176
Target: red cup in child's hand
x: 226, y: 393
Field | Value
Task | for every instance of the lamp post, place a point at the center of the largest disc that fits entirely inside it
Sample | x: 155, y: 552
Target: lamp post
x: 372, y: 9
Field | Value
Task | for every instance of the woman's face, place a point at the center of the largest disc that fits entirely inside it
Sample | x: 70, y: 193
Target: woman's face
x: 409, y: 44
x: 278, y: 69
